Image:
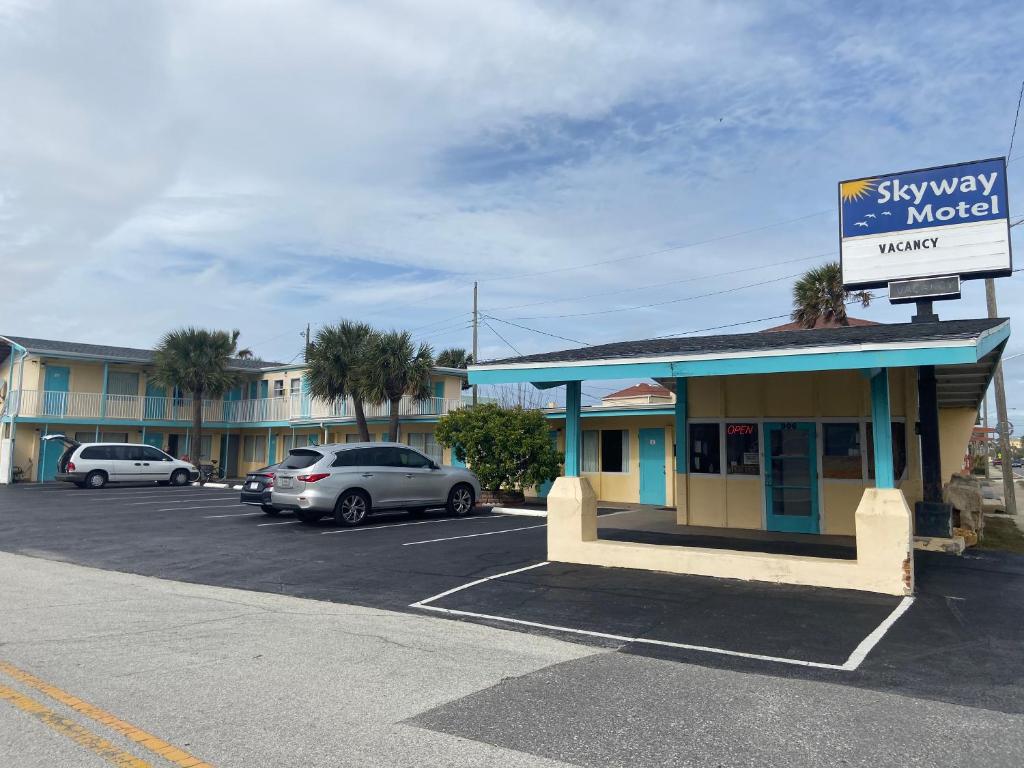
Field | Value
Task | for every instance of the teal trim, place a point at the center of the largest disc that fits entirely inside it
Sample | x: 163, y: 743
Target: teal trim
x: 587, y: 413
x: 885, y: 476
x: 791, y: 523
x: 993, y: 339
x: 830, y: 361
x: 680, y: 426
x: 572, y: 429
x: 652, y: 466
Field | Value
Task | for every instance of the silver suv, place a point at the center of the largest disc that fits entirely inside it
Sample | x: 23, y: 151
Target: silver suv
x: 354, y: 480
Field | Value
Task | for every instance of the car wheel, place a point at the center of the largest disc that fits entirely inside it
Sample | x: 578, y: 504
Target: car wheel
x: 272, y: 511
x: 95, y: 479
x: 179, y: 477
x: 460, y: 500
x: 352, y: 508
x: 308, y: 515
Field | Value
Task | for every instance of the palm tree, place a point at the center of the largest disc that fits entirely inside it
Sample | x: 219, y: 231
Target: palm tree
x: 335, y: 366
x: 397, y: 367
x: 454, y: 357
x: 195, y: 360
x: 819, y: 295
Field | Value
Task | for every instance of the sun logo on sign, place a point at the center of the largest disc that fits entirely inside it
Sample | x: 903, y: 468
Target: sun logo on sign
x: 855, y: 190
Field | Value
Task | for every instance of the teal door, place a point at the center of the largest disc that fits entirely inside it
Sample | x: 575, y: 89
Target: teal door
x: 155, y: 439
x: 652, y: 466
x: 791, y: 477
x: 272, y: 449
x: 49, y: 455
x: 264, y: 389
x: 545, y: 488
x: 55, y: 390
x: 156, y: 401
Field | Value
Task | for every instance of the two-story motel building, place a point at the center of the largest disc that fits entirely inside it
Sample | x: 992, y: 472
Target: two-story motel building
x: 95, y: 393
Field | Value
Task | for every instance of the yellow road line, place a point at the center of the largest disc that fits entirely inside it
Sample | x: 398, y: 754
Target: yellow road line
x: 156, y: 745
x: 77, y: 733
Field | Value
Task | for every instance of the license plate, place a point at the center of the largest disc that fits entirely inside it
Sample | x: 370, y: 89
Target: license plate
x: 254, y: 486
x: 284, y: 482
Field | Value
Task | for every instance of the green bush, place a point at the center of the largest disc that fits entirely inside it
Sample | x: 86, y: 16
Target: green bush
x: 508, y: 448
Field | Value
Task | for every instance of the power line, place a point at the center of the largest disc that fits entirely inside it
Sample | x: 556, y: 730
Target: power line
x: 657, y: 252
x: 662, y: 303
x: 1013, y: 133
x: 507, y: 342
x: 620, y: 291
x: 535, y: 330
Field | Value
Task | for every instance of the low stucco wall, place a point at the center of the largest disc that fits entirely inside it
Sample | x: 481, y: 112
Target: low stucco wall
x: 884, y: 555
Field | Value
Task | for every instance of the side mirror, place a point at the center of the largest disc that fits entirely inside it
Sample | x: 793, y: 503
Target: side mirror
x: 434, y: 465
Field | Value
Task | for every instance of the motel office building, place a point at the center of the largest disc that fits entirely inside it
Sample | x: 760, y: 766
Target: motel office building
x: 94, y: 393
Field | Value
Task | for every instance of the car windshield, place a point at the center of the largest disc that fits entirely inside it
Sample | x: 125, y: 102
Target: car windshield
x: 301, y: 458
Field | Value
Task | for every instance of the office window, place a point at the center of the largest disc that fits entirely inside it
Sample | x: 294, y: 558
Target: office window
x: 278, y: 387
x: 899, y: 450
x: 588, y: 457
x: 840, y: 452
x: 615, y: 450
x: 705, y: 449
x: 742, y: 449
x: 295, y: 387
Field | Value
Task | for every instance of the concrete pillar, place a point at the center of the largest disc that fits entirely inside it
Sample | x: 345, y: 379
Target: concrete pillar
x: 881, y: 430
x: 885, y: 542
x: 572, y: 518
x: 573, y: 441
x: 681, y: 452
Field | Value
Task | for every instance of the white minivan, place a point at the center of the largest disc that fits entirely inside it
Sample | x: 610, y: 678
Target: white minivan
x: 93, y: 465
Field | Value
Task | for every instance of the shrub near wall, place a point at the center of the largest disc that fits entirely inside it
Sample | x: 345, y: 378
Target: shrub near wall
x: 507, y: 448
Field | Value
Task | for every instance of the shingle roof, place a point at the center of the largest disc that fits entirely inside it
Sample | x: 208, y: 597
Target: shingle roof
x: 640, y: 390
x: 819, y: 323
x: 889, y: 333
x: 125, y: 354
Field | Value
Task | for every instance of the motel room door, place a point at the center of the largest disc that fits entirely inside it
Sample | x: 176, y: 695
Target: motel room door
x: 652, y: 466
x: 791, y: 477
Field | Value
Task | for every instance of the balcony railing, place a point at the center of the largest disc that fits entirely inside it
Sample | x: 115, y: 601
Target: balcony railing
x: 68, y: 406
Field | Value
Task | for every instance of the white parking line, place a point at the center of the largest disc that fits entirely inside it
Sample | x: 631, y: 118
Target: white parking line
x: 286, y: 522
x: 183, y: 501
x: 206, y: 506
x: 852, y: 662
x: 402, y: 525
x: 235, y: 514
x: 474, y: 535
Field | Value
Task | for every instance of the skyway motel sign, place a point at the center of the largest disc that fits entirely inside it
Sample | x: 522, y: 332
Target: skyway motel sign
x: 950, y: 220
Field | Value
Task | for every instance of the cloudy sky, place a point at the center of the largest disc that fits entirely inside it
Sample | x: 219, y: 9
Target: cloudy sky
x: 261, y: 165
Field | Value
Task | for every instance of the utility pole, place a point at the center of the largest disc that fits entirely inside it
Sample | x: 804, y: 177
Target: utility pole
x: 305, y: 354
x: 1002, y: 422
x: 476, y: 316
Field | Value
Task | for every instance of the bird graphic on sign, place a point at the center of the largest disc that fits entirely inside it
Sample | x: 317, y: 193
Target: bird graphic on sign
x: 860, y: 224
x: 886, y: 213
x: 870, y: 216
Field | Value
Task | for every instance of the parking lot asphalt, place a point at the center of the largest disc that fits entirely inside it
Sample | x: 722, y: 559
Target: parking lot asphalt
x: 959, y: 642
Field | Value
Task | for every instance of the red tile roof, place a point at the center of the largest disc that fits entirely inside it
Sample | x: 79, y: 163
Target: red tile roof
x: 640, y: 390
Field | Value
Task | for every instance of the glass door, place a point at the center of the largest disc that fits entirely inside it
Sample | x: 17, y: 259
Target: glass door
x: 791, y: 477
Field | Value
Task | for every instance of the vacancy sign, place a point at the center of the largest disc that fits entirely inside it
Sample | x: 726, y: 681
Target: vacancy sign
x: 951, y: 220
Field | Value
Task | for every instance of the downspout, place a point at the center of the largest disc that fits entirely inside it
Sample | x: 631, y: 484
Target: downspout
x: 14, y: 416
x: 324, y: 428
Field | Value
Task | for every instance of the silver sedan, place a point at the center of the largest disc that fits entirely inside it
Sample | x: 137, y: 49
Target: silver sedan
x: 351, y: 481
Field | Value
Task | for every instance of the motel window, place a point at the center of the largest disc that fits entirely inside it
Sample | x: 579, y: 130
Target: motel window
x: 207, y: 447
x: 615, y: 450
x: 352, y: 438
x: 278, y: 387
x: 295, y: 387
x: 705, y: 449
x: 426, y: 442
x: 840, y: 453
x: 899, y: 450
x: 589, y: 453
x: 254, y: 448
x: 742, y: 450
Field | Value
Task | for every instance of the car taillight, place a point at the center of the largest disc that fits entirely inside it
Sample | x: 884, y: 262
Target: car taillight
x: 314, y: 477
x: 71, y: 466
x: 269, y: 482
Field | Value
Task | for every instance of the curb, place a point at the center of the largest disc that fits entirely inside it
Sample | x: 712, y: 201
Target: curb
x: 218, y: 485
x: 520, y: 512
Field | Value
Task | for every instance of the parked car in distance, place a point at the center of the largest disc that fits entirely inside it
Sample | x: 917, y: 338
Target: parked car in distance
x: 352, y: 481
x: 93, y: 465
x: 257, y: 488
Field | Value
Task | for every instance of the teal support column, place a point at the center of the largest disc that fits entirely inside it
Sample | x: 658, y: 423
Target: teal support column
x: 103, y: 398
x: 680, y: 427
x: 881, y: 430
x: 573, y: 442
